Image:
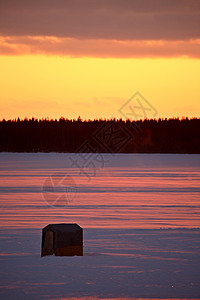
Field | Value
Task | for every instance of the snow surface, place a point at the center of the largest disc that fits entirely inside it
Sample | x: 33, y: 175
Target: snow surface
x: 139, y: 212
x: 129, y: 263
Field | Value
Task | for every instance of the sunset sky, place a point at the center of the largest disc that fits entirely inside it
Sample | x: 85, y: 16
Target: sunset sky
x: 87, y: 58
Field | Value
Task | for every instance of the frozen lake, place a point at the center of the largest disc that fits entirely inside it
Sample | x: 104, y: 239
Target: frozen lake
x: 140, y: 214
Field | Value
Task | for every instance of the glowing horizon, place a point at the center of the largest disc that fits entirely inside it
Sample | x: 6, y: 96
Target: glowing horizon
x: 51, y: 86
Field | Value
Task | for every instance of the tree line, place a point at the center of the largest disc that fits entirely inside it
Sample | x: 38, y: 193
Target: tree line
x: 63, y: 135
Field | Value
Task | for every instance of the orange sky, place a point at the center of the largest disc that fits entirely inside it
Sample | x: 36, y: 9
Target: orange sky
x: 88, y: 58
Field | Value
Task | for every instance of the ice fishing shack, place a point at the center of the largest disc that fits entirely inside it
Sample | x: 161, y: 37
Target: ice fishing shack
x: 62, y: 240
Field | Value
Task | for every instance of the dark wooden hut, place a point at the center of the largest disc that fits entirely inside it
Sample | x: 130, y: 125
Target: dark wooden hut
x: 62, y: 240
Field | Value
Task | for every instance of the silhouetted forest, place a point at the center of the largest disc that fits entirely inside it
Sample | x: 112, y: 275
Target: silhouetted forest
x: 63, y: 135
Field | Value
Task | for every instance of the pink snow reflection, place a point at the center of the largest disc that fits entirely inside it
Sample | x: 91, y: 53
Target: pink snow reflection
x: 142, y: 196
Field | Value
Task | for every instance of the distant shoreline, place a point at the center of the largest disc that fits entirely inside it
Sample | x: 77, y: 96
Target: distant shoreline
x: 163, y: 136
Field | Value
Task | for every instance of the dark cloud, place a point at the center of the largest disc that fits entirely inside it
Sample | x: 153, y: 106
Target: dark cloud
x: 102, y: 19
x: 111, y: 6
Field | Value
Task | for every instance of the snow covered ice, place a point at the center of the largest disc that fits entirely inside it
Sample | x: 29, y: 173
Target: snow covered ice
x: 139, y: 213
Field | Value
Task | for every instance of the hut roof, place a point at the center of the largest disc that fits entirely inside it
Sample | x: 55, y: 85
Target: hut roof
x: 63, y: 227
